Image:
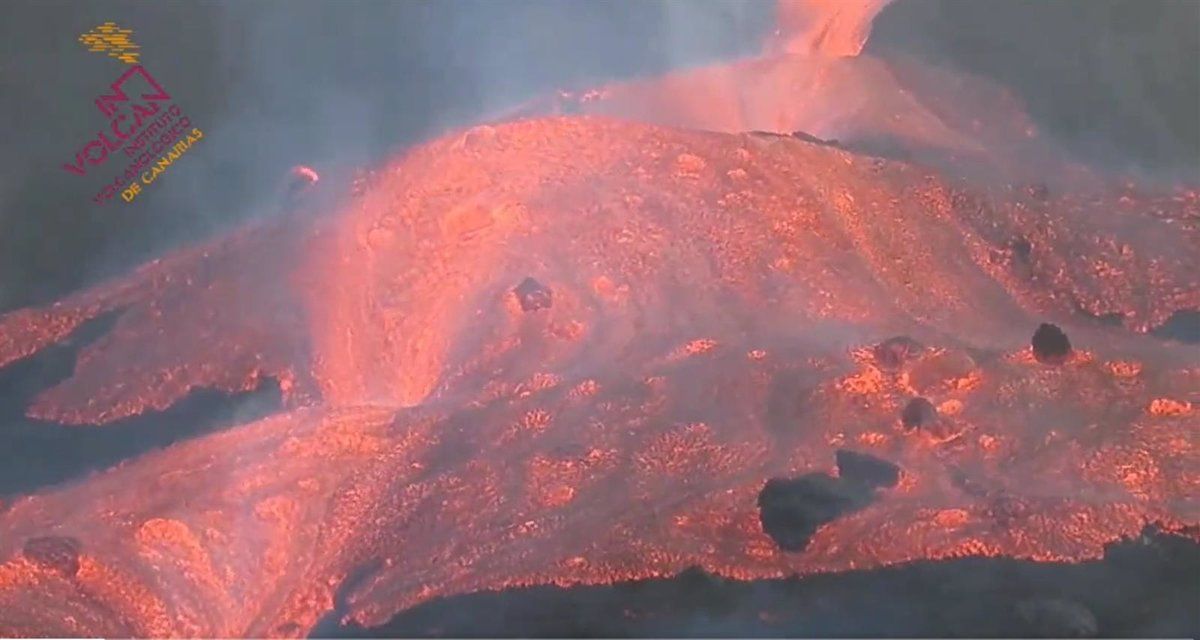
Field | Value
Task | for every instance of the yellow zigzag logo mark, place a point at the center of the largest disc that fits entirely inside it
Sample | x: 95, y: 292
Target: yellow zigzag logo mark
x: 113, y: 39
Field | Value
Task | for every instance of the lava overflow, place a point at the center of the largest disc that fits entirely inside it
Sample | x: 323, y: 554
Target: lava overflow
x: 579, y: 350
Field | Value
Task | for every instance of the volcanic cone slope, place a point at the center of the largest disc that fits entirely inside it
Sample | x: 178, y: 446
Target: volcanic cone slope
x: 567, y: 351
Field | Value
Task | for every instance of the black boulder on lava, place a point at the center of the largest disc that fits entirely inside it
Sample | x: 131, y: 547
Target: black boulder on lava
x: 1050, y: 344
x: 532, y: 295
x: 893, y: 352
x: 919, y: 412
x: 792, y: 509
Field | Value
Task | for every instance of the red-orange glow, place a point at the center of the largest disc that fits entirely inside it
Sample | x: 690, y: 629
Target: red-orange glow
x: 716, y: 299
x: 824, y: 27
x: 814, y: 78
x: 709, y: 303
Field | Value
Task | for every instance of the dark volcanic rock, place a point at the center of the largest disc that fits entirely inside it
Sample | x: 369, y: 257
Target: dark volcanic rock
x: 768, y: 134
x: 1114, y: 319
x: 59, y: 553
x: 808, y: 137
x: 792, y: 509
x: 1003, y: 509
x: 1021, y: 249
x: 893, y: 352
x: 1142, y: 588
x: 919, y: 412
x: 866, y: 469
x: 532, y: 295
x: 1050, y: 344
x: 1182, y: 326
x: 1053, y: 618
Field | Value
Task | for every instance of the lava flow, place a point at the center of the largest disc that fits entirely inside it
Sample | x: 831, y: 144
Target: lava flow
x: 575, y: 350
x: 814, y: 78
x: 701, y: 316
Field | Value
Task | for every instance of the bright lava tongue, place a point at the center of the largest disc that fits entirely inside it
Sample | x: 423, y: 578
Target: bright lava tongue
x: 576, y: 350
x: 824, y: 27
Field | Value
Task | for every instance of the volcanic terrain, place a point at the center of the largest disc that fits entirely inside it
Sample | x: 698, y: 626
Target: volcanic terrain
x: 579, y: 350
x: 711, y: 307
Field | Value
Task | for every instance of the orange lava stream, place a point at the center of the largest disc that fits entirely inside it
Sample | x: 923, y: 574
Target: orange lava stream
x: 824, y: 27
x: 715, y: 297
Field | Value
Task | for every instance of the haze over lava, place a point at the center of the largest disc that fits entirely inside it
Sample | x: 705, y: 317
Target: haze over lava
x: 708, y: 308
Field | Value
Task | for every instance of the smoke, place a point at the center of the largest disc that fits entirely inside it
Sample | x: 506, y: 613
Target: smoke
x: 315, y: 83
x: 346, y: 86
x: 277, y: 84
x: 1116, y: 83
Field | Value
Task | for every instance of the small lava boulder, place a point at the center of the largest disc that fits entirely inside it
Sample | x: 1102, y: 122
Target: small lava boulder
x: 1182, y: 326
x: 1050, y: 344
x: 533, y: 295
x: 893, y: 352
x: 919, y: 412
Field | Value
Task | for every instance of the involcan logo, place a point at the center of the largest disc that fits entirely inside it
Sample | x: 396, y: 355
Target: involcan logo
x: 143, y: 122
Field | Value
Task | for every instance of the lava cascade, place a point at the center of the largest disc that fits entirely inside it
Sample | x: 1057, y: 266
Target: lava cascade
x: 573, y: 350
x: 814, y: 77
x: 824, y: 27
x: 715, y: 303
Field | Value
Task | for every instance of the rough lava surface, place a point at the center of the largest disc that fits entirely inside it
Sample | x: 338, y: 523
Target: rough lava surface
x: 715, y: 299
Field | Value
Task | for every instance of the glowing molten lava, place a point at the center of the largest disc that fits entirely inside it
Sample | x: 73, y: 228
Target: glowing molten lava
x: 824, y: 27
x: 709, y: 306
x: 575, y: 350
x: 814, y: 78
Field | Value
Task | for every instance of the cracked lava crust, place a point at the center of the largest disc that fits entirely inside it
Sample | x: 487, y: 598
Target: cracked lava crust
x: 575, y: 350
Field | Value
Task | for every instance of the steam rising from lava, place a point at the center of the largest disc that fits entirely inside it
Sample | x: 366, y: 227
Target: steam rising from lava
x: 716, y: 302
x: 813, y: 78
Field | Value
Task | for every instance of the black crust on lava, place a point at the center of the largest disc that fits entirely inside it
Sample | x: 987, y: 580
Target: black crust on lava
x: 866, y: 469
x: 893, y: 352
x: 533, y: 295
x: 963, y: 597
x: 59, y: 553
x: 1182, y: 326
